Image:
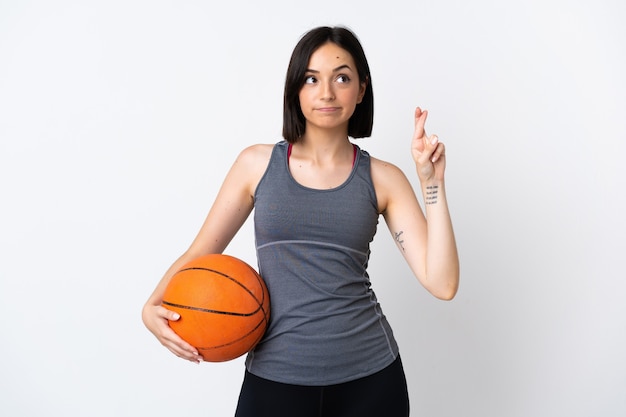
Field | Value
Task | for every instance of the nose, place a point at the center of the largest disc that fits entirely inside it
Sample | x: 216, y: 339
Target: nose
x: 327, y: 92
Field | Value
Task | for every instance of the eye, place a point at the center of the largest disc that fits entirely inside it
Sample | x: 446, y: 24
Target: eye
x: 310, y: 79
x: 343, y: 79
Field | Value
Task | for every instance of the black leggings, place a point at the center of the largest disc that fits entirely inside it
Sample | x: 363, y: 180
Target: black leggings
x: 383, y: 394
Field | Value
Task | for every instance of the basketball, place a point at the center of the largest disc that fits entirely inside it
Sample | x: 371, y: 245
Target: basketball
x: 223, y: 304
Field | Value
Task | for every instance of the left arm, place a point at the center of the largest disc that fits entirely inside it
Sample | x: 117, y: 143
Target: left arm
x: 426, y: 240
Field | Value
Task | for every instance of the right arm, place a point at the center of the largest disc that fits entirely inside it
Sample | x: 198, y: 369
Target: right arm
x: 231, y: 208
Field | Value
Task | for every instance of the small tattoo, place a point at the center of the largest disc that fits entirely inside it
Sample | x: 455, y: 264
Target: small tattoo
x: 400, y: 242
x: 431, y: 194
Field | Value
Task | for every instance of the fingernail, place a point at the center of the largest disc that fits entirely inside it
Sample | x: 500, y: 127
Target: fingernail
x: 175, y: 316
x: 434, y: 140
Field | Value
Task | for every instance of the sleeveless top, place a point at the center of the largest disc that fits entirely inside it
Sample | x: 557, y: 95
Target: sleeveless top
x: 326, y: 325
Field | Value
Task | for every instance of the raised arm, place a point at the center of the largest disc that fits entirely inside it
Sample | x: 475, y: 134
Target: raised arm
x: 231, y: 208
x: 426, y: 240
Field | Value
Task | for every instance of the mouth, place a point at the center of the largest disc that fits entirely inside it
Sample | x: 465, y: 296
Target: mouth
x: 328, y: 109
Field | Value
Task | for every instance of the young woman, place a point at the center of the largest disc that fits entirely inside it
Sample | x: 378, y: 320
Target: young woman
x: 317, y: 198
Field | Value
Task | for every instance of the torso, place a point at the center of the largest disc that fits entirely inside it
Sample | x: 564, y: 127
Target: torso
x: 313, y: 249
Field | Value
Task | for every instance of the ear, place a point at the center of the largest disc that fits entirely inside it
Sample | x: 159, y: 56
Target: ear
x: 362, y: 89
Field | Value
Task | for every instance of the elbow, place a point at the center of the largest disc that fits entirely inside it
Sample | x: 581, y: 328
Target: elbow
x: 446, y: 295
x: 442, y: 283
x: 448, y: 290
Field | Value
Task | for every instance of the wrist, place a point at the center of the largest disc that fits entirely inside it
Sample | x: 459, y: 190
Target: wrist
x: 433, y: 191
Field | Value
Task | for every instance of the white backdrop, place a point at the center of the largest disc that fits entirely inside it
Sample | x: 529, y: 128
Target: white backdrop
x: 119, y: 120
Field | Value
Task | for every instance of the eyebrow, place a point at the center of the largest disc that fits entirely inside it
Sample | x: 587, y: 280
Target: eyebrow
x: 339, y: 68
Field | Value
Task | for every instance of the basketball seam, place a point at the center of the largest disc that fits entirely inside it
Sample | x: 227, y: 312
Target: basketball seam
x: 196, y: 268
x: 207, y: 310
x: 232, y: 342
x: 259, y: 302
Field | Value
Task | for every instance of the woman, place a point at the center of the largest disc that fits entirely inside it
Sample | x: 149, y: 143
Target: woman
x: 329, y: 350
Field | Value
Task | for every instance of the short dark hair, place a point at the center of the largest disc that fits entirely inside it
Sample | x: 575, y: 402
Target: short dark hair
x: 294, y: 124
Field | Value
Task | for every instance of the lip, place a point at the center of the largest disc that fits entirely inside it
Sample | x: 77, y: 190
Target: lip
x: 328, y: 109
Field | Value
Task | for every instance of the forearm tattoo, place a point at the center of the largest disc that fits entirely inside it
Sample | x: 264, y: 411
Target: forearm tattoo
x: 431, y: 194
x: 400, y: 241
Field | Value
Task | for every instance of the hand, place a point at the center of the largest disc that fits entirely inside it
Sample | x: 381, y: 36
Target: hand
x: 156, y: 318
x: 428, y: 153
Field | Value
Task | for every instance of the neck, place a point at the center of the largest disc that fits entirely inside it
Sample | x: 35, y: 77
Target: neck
x: 324, y: 150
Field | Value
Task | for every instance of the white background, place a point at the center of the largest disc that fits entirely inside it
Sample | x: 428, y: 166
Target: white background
x: 119, y: 120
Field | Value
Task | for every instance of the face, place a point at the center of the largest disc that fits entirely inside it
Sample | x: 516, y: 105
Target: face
x: 331, y: 90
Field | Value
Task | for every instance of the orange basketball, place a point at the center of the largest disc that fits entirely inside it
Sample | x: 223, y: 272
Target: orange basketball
x: 223, y: 304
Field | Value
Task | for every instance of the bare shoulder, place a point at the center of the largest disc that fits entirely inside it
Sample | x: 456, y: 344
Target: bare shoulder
x: 254, y: 159
x: 256, y: 153
x: 389, y: 181
x: 385, y: 172
x: 250, y: 165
